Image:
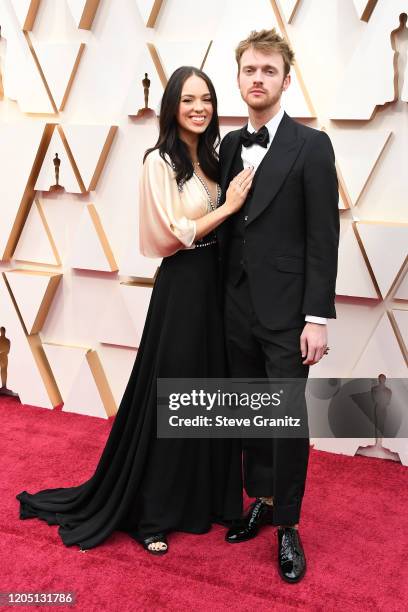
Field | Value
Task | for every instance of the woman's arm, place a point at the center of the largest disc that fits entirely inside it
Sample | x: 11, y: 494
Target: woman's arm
x: 235, y: 197
x: 163, y: 229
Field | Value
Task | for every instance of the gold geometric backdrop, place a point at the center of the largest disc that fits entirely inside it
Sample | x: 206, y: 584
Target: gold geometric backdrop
x: 80, y: 88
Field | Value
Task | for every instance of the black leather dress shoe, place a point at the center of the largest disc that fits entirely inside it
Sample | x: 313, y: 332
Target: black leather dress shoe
x: 259, y: 514
x: 291, y: 556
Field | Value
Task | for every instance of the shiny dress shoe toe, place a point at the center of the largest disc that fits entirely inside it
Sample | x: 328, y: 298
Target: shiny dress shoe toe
x: 291, y: 556
x: 259, y: 514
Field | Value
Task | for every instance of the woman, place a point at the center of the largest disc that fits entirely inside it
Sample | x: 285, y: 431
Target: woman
x: 142, y: 485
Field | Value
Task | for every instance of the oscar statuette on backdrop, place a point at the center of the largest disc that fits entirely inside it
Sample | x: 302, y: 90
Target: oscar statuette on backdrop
x: 145, y: 111
x: 57, y: 164
x: 4, y: 353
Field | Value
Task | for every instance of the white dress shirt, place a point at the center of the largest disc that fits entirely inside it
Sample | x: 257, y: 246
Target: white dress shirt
x: 253, y: 155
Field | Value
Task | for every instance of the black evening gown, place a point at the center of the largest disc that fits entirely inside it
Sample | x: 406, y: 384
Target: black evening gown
x: 142, y: 484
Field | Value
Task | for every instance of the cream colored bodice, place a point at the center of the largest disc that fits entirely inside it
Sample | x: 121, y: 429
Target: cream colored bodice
x: 167, y: 215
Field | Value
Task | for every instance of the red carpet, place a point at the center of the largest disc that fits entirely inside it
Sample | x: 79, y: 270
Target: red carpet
x: 354, y: 530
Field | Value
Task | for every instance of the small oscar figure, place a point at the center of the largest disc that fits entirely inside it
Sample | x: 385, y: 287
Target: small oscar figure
x: 4, y: 351
x: 57, y: 163
x: 146, y: 87
x: 381, y: 397
x: 386, y: 420
x: 145, y: 111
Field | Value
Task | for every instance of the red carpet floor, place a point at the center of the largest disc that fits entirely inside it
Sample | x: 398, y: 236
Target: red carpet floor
x: 354, y: 529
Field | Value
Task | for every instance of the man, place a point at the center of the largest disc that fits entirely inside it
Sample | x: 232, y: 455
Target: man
x: 279, y: 259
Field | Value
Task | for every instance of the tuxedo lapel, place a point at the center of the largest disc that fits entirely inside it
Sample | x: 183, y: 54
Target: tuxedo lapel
x: 235, y: 138
x: 275, y: 166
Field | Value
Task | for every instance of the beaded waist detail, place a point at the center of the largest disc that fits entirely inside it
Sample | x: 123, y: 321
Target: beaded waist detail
x: 205, y: 243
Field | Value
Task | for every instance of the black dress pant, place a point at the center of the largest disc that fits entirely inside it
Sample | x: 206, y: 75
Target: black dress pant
x: 272, y: 466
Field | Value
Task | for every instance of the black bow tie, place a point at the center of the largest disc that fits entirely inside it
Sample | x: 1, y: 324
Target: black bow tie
x: 261, y: 137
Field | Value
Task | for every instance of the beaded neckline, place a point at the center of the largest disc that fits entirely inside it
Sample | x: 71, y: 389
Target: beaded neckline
x: 212, y: 206
x: 210, y: 201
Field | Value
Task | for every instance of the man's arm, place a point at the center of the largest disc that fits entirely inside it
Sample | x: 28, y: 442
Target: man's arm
x: 322, y: 239
x: 322, y: 227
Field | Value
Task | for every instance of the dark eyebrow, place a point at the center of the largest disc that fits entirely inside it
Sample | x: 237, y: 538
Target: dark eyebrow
x: 192, y: 95
x: 267, y: 66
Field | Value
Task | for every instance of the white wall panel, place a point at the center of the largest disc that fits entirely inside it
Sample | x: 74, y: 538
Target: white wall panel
x: 36, y: 243
x: 353, y: 277
x: 288, y: 8
x: 382, y: 354
x: 402, y: 291
x: 83, y: 396
x: 357, y: 152
x: 30, y: 387
x: 357, y: 97
x: 58, y: 61
x: 118, y: 362
x: 378, y: 239
x: 19, y: 147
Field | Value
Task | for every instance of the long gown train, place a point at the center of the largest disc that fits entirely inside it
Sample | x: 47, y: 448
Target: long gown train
x: 143, y: 485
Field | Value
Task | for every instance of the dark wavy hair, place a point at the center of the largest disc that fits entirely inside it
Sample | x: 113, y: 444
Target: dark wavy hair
x: 169, y: 141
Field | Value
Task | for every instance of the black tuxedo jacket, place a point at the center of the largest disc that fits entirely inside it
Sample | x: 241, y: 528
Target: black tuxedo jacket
x: 292, y: 227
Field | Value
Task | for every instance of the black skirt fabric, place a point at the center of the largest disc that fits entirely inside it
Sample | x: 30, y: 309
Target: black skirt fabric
x: 142, y: 484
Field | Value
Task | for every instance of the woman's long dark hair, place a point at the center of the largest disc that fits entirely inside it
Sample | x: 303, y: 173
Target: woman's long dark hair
x: 169, y: 141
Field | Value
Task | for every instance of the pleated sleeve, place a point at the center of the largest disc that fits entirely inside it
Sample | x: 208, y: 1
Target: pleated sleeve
x: 163, y: 227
